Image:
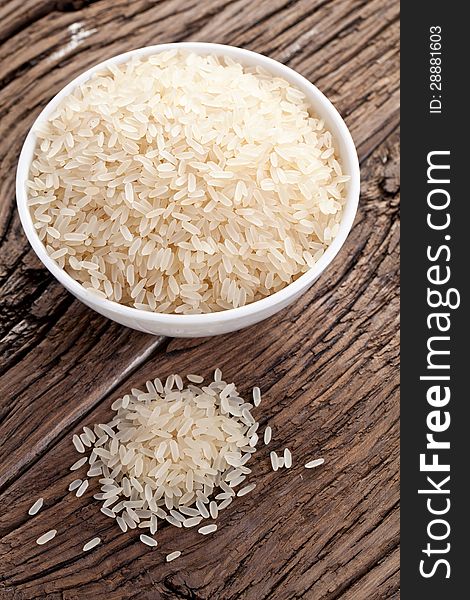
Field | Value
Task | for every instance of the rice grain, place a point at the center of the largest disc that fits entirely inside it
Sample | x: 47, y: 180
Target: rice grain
x: 274, y: 460
x: 77, y: 442
x: 91, y: 544
x: 287, y: 458
x: 36, y: 507
x: 147, y: 473
x: 267, y: 435
x: 173, y: 555
x: 208, y: 529
x: 78, y: 464
x: 46, y: 537
x: 314, y: 463
x: 147, y: 540
x: 76, y: 483
x: 246, y: 490
x: 82, y: 489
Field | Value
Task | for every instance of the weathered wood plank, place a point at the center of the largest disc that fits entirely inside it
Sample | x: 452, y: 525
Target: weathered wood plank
x: 380, y: 583
x: 65, y: 376
x: 374, y: 115
x: 330, y: 388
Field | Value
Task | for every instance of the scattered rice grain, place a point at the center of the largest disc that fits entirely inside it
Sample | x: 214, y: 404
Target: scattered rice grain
x: 314, y: 463
x: 82, y: 489
x: 267, y: 435
x: 287, y: 458
x: 208, y: 529
x: 173, y: 555
x: 147, y: 540
x: 46, y: 537
x: 246, y: 490
x: 36, y: 507
x: 91, y: 544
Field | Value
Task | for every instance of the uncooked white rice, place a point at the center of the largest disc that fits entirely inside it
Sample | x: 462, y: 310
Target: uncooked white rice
x: 214, y: 511
x: 314, y: 463
x: 173, y: 555
x: 77, y: 442
x: 174, y: 521
x: 36, y: 507
x: 147, y: 540
x: 130, y: 522
x: 225, y: 503
x: 287, y: 458
x: 267, y: 435
x: 237, y: 481
x: 256, y: 396
x: 180, y: 183
x: 76, y: 483
x: 246, y: 490
x: 90, y: 434
x: 194, y: 378
x: 94, y: 471
x: 192, y: 521
x: 91, y: 544
x: 274, y: 460
x: 85, y: 441
x: 202, y: 509
x: 78, y: 464
x: 167, y: 454
x: 122, y: 524
x: 82, y: 489
x: 178, y: 516
x: 188, y: 511
x: 46, y: 537
x: 208, y: 529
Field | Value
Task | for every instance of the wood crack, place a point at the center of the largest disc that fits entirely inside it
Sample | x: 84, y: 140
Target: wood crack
x: 21, y: 466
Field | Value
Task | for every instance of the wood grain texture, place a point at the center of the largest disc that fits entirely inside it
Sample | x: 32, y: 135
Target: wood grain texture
x: 328, y: 365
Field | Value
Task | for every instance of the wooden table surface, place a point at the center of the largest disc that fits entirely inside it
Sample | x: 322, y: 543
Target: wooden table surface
x: 327, y: 366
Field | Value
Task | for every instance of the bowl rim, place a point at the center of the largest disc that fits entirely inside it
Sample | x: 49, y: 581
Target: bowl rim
x: 282, y: 296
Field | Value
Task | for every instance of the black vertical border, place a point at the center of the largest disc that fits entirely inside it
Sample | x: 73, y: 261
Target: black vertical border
x: 423, y: 132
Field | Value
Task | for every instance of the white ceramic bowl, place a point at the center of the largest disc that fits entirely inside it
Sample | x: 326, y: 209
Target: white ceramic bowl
x: 227, y: 320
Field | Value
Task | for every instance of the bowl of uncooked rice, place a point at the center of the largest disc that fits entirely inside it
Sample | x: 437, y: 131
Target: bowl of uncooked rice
x: 188, y: 189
